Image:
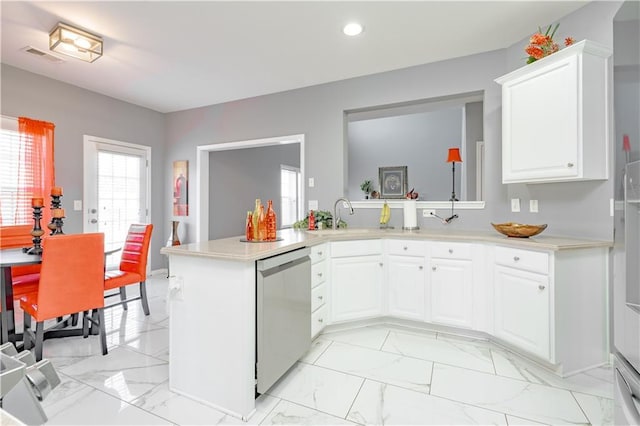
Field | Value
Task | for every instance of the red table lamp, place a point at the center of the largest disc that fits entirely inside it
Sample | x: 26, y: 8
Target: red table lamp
x: 454, y: 156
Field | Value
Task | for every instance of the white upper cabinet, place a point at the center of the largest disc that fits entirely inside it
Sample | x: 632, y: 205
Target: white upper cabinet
x: 555, y: 117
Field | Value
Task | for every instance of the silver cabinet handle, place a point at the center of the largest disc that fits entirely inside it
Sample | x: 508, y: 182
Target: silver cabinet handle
x: 319, y: 274
x: 320, y: 297
x: 433, y: 268
x: 420, y: 267
x: 516, y: 258
x: 320, y: 320
x: 569, y: 165
x: 319, y: 253
x: 541, y: 287
x: 450, y: 251
x: 380, y: 263
x: 94, y: 221
x: 405, y: 248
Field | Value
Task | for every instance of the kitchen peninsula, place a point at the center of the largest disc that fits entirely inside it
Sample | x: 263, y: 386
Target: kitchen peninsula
x: 544, y: 297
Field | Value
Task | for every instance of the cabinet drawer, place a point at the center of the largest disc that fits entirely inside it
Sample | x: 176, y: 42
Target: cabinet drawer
x: 444, y: 250
x: 356, y: 248
x: 318, y: 320
x: 318, y: 253
x: 534, y: 261
x: 318, y: 297
x: 318, y: 273
x: 405, y: 247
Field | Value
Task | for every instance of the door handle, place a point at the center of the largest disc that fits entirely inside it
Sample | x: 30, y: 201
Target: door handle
x: 93, y: 211
x: 94, y: 221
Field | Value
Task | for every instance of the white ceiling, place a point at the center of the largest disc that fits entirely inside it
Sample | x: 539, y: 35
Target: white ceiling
x: 171, y: 56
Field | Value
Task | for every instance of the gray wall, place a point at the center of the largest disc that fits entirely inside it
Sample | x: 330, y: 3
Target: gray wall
x: 318, y: 112
x: 473, y: 133
x: 77, y: 112
x: 418, y: 141
x: 237, y: 177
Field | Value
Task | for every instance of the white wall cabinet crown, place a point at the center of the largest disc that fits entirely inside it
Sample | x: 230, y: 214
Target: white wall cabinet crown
x: 555, y: 119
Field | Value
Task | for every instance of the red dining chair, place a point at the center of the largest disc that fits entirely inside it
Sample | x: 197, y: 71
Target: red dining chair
x: 71, y: 281
x: 133, y: 267
x: 24, y: 278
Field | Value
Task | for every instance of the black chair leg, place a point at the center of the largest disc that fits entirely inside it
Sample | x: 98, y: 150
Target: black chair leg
x: 143, y: 297
x: 74, y: 319
x: 39, y: 339
x: 123, y: 297
x: 26, y: 333
x: 85, y: 324
x: 103, y: 333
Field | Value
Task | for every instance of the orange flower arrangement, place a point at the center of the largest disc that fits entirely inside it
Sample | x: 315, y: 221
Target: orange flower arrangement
x: 541, y: 45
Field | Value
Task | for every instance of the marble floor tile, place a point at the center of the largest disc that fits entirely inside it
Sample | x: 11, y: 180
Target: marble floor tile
x: 369, y: 337
x: 74, y: 403
x: 513, y: 420
x: 406, y: 372
x: 150, y: 342
x: 318, y: 346
x: 383, y: 404
x: 72, y: 350
x: 516, y: 397
x: 182, y: 410
x: 597, y: 381
x: 319, y: 388
x: 123, y: 373
x: 288, y: 413
x: 458, y: 353
x: 599, y: 411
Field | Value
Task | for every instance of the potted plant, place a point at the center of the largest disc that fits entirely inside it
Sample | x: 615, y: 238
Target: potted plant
x: 366, y: 187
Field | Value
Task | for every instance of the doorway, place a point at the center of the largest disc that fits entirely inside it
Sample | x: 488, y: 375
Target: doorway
x: 203, y: 173
x: 116, y: 190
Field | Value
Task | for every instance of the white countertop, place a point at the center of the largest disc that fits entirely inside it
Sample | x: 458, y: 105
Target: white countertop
x: 233, y: 249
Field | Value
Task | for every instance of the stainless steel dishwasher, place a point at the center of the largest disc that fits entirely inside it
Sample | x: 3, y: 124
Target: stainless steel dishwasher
x: 283, y: 314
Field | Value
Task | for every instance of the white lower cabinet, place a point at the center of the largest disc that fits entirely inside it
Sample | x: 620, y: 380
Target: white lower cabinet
x: 406, y: 281
x: 452, y: 292
x: 521, y: 307
x: 356, y: 286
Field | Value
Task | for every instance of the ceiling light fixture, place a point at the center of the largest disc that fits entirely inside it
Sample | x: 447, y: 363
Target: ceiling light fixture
x: 75, y: 42
x: 352, y: 29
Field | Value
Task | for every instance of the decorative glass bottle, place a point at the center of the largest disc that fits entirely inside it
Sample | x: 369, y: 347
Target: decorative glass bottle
x: 174, y: 240
x: 271, y: 222
x: 249, y: 227
x: 262, y: 225
x: 312, y: 221
x: 256, y: 219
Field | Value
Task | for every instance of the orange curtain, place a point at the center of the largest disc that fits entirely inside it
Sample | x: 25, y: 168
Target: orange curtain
x: 36, y: 177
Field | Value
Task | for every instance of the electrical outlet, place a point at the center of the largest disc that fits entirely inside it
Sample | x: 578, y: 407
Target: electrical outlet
x: 533, y: 206
x: 428, y: 212
x: 77, y: 205
x: 515, y: 205
x: 312, y: 182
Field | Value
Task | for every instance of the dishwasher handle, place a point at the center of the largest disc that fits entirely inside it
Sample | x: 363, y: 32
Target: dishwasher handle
x: 282, y: 259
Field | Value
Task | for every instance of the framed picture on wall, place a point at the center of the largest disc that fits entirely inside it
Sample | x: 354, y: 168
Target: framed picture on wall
x: 181, y: 188
x: 393, y: 181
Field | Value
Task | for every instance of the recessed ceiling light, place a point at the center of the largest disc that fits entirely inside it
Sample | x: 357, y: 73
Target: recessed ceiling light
x: 352, y: 29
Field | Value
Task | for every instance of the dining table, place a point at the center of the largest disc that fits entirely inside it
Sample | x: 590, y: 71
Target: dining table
x: 19, y: 257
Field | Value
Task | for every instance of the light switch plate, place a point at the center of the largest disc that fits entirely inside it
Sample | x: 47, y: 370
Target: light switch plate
x: 533, y: 206
x: 77, y: 205
x: 312, y: 182
x: 313, y: 205
x: 515, y: 205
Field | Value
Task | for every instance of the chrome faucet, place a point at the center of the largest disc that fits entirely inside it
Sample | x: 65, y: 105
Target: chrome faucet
x: 336, y: 218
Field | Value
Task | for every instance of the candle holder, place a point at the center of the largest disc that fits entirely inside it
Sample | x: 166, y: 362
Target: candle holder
x: 37, y: 232
x: 54, y: 226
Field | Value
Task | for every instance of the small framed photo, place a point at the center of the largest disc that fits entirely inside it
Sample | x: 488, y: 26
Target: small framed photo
x: 393, y: 181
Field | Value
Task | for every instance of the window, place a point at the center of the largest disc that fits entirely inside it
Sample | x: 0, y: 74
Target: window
x: 290, y: 193
x: 26, y: 171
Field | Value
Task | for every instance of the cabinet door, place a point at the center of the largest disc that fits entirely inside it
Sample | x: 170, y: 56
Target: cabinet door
x: 406, y: 282
x: 540, y: 124
x: 356, y: 285
x: 452, y: 292
x: 522, y: 309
